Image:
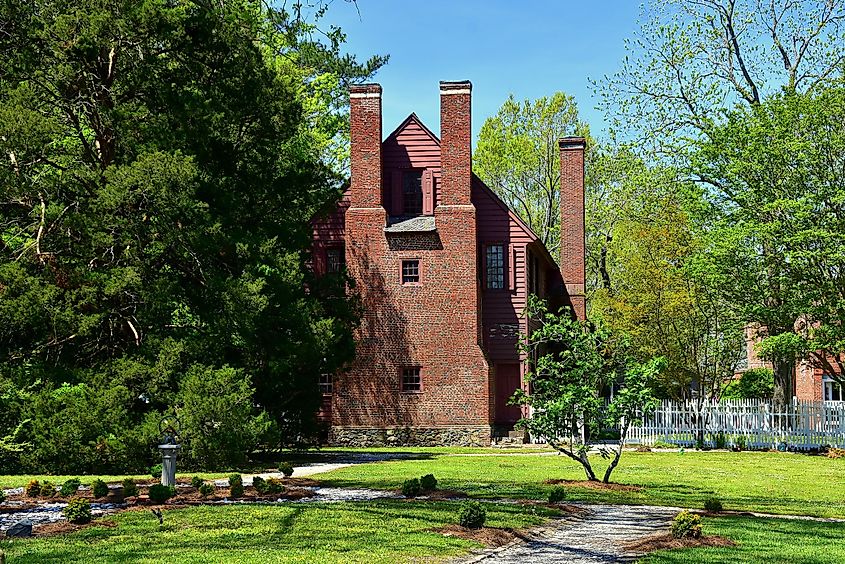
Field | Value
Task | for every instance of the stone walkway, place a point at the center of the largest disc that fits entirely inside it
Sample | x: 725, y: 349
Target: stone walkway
x: 593, y: 537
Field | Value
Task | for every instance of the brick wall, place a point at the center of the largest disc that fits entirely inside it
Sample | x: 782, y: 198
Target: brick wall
x: 433, y: 325
x: 572, y: 244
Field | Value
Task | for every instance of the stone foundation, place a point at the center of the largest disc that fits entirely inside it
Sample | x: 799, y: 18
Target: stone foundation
x: 410, y: 436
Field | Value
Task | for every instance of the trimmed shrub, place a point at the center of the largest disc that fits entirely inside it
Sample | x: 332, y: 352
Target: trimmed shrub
x: 196, y: 482
x: 740, y: 442
x: 33, y: 488
x: 721, y: 441
x: 686, y: 524
x: 47, y: 489
x: 236, y: 485
x: 260, y: 484
x: 473, y: 515
x: 275, y: 486
x: 160, y: 493
x: 286, y: 468
x: 411, y: 488
x: 155, y: 470
x: 130, y: 489
x: 77, y: 511
x: 206, y: 489
x: 835, y: 453
x: 99, y: 488
x: 712, y: 504
x: 557, y: 494
x: 70, y: 487
x: 428, y: 483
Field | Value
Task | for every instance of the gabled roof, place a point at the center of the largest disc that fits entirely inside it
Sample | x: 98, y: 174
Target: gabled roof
x: 412, y: 118
x: 495, y: 197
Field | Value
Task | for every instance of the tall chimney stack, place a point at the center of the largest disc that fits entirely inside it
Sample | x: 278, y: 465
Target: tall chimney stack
x: 365, y: 145
x: 455, y: 142
x: 572, y: 244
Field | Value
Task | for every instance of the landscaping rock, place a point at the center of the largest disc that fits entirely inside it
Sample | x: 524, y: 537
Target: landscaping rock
x: 20, y: 529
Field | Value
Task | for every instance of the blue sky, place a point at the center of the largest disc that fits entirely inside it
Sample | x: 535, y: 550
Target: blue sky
x: 528, y: 48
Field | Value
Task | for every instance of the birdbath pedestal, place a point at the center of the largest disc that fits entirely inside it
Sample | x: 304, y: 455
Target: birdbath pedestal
x: 168, y: 463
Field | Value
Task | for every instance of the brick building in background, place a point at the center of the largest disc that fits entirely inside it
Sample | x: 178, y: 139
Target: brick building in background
x: 443, y: 269
x: 817, y: 378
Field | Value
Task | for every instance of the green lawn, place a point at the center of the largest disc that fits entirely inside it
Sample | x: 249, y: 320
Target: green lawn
x: 383, y: 531
x: 763, y: 540
x: 754, y: 481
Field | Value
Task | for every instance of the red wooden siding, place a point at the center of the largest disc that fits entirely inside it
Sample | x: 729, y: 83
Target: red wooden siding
x: 328, y: 232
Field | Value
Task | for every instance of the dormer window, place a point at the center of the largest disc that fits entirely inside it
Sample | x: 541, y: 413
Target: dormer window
x: 412, y: 192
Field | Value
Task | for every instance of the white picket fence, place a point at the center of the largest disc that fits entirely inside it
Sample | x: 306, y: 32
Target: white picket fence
x: 753, y: 424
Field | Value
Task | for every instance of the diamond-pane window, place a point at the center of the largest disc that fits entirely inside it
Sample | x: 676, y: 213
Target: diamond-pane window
x: 495, y: 267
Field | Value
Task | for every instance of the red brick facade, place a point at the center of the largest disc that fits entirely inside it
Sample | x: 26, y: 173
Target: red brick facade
x: 455, y: 318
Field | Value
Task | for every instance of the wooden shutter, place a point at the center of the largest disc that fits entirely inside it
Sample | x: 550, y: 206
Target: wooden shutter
x: 396, y: 193
x: 428, y: 192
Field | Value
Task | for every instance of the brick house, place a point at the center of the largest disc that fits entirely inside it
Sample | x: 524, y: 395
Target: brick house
x: 816, y: 378
x: 443, y: 269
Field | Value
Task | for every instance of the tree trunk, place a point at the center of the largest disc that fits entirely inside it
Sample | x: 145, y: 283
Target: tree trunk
x: 784, y: 370
x: 623, y: 434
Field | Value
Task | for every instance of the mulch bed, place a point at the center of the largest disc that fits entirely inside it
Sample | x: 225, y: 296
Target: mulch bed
x: 595, y: 485
x: 438, y: 495
x: 64, y: 527
x: 488, y: 536
x: 665, y: 541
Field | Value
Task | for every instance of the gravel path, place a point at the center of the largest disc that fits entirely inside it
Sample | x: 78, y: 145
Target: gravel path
x: 595, y: 536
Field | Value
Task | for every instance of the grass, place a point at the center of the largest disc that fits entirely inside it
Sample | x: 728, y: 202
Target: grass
x: 780, y: 483
x: 381, y: 531
x: 763, y: 540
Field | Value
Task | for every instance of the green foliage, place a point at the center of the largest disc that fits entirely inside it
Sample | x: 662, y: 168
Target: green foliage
x: 753, y: 383
x: 70, y: 487
x: 130, y: 488
x: 47, y: 489
x: 206, y: 490
x: 557, y: 494
x: 77, y: 511
x: 196, y: 482
x: 153, y: 232
x: 411, y: 488
x: 2, y: 495
x: 275, y: 486
x: 99, y: 488
x: 686, y: 525
x: 575, y: 360
x: 159, y: 493
x: 721, y: 441
x: 33, y: 488
x: 260, y: 484
x: 517, y: 156
x: 712, y: 504
x: 236, y: 485
x: 155, y: 470
x: 286, y: 468
x: 472, y: 515
x: 428, y: 483
x: 776, y: 243
x: 220, y: 425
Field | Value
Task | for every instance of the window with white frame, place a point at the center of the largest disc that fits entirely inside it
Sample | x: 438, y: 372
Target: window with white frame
x: 832, y: 389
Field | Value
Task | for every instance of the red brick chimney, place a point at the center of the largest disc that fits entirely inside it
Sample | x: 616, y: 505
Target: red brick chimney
x: 455, y: 142
x: 365, y: 145
x: 572, y: 245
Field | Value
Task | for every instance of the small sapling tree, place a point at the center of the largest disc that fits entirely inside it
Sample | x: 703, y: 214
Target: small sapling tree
x: 573, y: 361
